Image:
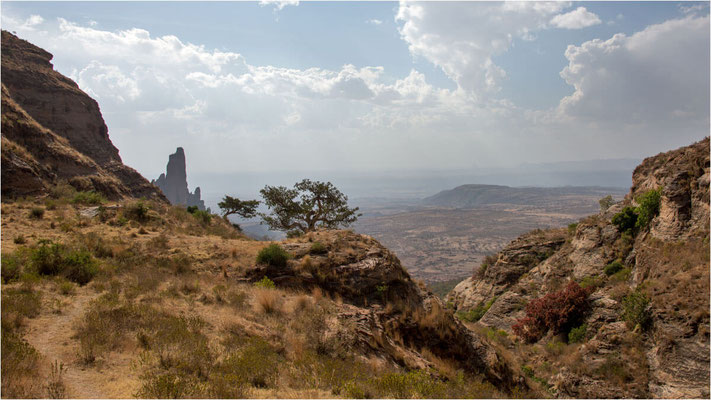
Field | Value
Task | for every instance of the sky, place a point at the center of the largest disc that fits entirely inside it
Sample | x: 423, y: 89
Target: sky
x: 259, y: 87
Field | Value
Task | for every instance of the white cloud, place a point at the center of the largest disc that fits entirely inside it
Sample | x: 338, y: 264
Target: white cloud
x: 576, y: 19
x: 278, y: 4
x: 648, y: 77
x: 374, y: 21
x: 160, y: 92
x: 462, y: 38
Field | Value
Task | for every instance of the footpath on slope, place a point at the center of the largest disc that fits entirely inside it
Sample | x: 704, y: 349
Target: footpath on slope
x: 51, y: 334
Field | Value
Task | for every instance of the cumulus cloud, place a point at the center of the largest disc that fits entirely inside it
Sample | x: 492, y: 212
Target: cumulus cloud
x: 278, y: 4
x: 657, y: 74
x: 160, y: 92
x: 576, y: 19
x: 462, y: 38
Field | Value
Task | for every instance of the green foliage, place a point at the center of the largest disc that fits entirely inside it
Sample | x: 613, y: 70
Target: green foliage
x: 265, y: 283
x: 606, y: 202
x: 192, y: 209
x: 592, y: 282
x: 412, y: 384
x: 137, y: 211
x: 55, y: 259
x: 88, y: 198
x: 613, y: 267
x: 572, y: 227
x: 648, y: 207
x: 475, y: 314
x: 273, y: 255
x: 80, y: 266
x: 11, y: 268
x: 622, y: 275
x: 203, y: 216
x: 626, y: 220
x: 20, y: 366
x: 243, y: 208
x: 22, y: 302
x: 37, y: 212
x: 310, y: 205
x: 65, y: 287
x: 19, y: 239
x: 578, y: 334
x: 318, y: 248
x: 637, y: 310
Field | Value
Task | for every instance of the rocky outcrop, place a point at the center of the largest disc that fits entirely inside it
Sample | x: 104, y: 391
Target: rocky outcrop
x: 52, y: 131
x: 668, y: 262
x: 174, y: 183
x: 393, y: 316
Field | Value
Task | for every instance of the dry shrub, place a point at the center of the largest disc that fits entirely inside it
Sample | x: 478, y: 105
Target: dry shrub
x: 302, y: 302
x: 268, y: 301
x: 558, y: 311
x: 447, y: 368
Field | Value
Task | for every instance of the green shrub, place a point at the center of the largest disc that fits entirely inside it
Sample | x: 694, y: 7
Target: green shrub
x: 637, y: 310
x: 622, y: 275
x: 613, y: 267
x: 626, y: 220
x: 648, y: 207
x: 11, y: 268
x: 265, y: 283
x: 37, y: 212
x: 572, y: 227
x: 55, y: 259
x: 606, y: 202
x: 47, y: 258
x: 273, y: 255
x: 257, y: 364
x: 80, y: 266
x: 19, y: 239
x: 592, y: 282
x: 203, y: 216
x: 137, y: 211
x: 578, y: 334
x: 475, y: 314
x: 66, y: 288
x: 92, y: 198
x: 318, y: 248
x: 192, y: 209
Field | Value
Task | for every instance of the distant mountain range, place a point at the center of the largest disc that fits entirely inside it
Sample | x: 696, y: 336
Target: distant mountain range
x: 474, y: 195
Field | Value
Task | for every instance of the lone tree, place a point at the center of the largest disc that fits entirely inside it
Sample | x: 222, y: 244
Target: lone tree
x: 309, y: 205
x: 245, y: 209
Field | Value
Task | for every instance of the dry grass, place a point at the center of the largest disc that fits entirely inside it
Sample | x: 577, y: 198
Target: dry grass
x: 268, y: 301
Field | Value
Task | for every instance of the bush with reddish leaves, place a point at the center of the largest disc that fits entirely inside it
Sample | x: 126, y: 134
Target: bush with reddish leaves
x: 559, y: 312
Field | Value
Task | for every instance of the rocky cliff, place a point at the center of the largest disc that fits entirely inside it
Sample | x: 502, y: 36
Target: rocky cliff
x: 174, y: 183
x: 52, y: 131
x: 394, y: 317
x: 662, y: 270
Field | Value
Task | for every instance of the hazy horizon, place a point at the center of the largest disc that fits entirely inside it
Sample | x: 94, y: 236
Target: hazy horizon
x: 259, y: 88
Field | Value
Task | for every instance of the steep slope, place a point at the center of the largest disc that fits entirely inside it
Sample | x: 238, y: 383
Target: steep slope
x: 630, y: 349
x: 53, y: 131
x: 179, y: 308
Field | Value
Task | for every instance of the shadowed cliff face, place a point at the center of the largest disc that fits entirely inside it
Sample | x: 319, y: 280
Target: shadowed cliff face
x: 174, y: 183
x: 52, y: 131
x: 667, y: 262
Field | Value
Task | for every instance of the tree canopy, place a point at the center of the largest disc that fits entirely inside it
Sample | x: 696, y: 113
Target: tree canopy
x: 306, y: 207
x: 245, y: 209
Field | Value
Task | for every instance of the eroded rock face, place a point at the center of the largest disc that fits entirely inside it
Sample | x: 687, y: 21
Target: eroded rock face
x: 668, y: 262
x: 53, y: 131
x: 174, y: 183
x: 684, y: 176
x: 395, y: 317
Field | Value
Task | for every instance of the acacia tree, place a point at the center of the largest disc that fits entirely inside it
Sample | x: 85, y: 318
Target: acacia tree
x: 245, y: 209
x: 309, y: 205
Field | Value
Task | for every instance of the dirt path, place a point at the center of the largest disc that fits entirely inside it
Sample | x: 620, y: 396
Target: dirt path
x: 51, y: 334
